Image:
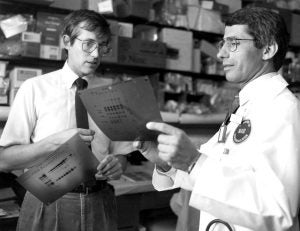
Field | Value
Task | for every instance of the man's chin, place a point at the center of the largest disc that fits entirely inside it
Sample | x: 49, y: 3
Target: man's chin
x: 231, y: 78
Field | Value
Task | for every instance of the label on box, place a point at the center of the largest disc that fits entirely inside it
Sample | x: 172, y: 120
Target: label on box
x: 19, y: 74
x: 50, y: 52
x: 31, y: 37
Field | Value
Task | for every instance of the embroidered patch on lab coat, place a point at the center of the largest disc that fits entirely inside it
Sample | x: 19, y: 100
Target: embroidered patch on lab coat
x: 242, y: 132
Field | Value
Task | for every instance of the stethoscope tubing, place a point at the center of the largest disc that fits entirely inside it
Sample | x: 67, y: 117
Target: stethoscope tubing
x: 215, y: 221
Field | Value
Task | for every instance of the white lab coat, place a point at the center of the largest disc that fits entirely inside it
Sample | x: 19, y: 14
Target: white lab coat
x: 255, y: 186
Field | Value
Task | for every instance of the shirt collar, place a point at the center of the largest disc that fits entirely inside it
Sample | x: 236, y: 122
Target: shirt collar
x: 266, y: 85
x: 68, y: 75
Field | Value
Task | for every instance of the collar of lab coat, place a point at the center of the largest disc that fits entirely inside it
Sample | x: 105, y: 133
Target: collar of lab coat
x: 263, y: 87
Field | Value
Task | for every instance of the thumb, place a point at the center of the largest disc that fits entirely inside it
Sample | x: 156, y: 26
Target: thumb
x: 137, y: 144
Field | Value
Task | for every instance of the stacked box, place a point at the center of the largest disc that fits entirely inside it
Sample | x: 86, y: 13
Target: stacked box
x: 50, y: 25
x: 180, y: 48
x: 122, y: 8
x: 137, y: 52
x: 69, y: 4
x: 3, y: 83
x: 31, y: 43
x: 17, y: 76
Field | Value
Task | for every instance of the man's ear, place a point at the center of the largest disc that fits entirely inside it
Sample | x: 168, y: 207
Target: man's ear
x: 66, y: 41
x: 270, y: 51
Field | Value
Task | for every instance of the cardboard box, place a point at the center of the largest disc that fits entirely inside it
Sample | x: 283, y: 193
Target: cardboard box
x: 122, y: 8
x: 69, y: 4
x: 31, y: 44
x: 137, y: 52
x: 180, y: 48
x: 50, y: 25
x: 13, y: 25
x: 121, y: 28
x: 51, y: 52
x: 39, y: 2
x: 213, y: 5
x: 232, y: 5
x: 19, y: 74
x: 3, y: 66
x: 209, y: 21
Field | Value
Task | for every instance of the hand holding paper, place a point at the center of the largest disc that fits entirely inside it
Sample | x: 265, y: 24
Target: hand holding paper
x: 72, y: 163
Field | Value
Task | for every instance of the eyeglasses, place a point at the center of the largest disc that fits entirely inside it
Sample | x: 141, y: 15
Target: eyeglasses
x: 231, y: 43
x: 89, y: 46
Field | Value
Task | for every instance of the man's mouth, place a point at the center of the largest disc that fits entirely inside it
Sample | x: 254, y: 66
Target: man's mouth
x: 92, y: 62
x: 226, y: 67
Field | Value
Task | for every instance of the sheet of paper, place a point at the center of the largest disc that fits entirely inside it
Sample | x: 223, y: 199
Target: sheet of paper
x: 122, y: 110
x: 63, y: 170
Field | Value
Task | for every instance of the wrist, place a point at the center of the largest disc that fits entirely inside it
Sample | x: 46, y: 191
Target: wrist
x: 163, y: 167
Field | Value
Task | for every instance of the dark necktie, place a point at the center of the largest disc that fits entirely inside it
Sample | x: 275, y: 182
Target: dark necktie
x: 81, y: 113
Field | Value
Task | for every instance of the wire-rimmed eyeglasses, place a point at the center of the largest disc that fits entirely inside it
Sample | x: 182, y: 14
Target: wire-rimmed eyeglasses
x: 89, y: 46
x: 231, y: 43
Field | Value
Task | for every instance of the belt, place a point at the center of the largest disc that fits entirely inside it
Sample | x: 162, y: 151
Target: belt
x: 90, y: 187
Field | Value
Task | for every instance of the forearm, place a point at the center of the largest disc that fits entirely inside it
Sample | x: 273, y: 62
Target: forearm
x: 24, y: 156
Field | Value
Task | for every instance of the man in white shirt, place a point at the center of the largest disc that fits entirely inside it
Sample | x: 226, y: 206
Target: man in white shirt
x: 42, y: 118
x: 247, y: 176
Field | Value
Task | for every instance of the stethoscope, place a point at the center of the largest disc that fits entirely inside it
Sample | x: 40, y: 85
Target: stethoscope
x: 215, y: 221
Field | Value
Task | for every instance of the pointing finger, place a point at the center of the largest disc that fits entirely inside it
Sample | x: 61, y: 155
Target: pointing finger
x: 162, y: 127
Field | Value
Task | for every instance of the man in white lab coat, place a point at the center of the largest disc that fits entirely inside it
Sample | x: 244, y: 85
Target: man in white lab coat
x: 247, y: 176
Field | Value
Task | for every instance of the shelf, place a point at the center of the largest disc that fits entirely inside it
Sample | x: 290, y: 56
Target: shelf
x: 105, y: 67
x: 25, y: 7
x: 136, y: 21
x: 185, y: 118
x: 167, y: 117
x: 202, y: 119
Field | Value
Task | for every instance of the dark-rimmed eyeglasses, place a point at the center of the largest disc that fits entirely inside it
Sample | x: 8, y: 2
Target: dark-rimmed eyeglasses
x: 231, y: 43
x: 89, y: 46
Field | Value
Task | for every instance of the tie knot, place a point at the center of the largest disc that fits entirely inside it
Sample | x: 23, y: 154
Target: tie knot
x: 81, y: 83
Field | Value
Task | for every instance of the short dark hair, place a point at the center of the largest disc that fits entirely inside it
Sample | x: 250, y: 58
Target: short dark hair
x: 266, y: 27
x: 86, y: 19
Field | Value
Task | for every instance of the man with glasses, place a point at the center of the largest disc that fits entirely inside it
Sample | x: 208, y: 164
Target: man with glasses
x: 247, y: 176
x: 42, y: 117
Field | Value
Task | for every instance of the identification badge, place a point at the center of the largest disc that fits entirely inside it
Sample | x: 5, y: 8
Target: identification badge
x: 242, y: 132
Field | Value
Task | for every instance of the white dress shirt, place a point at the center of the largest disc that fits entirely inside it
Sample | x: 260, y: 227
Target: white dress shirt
x: 45, y: 105
x: 251, y: 183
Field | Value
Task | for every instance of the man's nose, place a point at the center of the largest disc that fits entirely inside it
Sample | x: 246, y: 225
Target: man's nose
x: 223, y: 52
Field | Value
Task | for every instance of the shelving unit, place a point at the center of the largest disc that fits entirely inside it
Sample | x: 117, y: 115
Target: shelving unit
x: 167, y: 117
x: 104, y: 66
x: 30, y: 8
